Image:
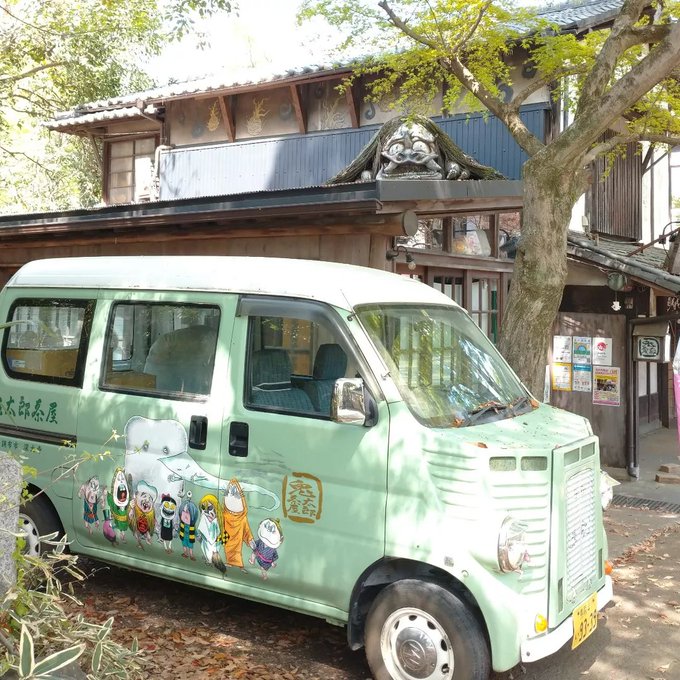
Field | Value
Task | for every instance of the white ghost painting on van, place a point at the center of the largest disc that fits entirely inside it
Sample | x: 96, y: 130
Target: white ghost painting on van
x: 146, y: 442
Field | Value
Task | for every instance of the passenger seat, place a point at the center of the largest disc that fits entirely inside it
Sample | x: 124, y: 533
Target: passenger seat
x: 330, y: 364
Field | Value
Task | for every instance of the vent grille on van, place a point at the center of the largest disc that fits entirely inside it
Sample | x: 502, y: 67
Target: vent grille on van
x: 470, y: 489
x: 581, y: 539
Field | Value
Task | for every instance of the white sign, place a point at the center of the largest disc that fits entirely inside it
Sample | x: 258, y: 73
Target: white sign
x: 562, y: 349
x: 602, y: 351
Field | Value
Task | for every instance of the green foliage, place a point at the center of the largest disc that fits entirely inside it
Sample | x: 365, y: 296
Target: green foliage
x: 56, y: 55
x: 35, y: 620
x: 413, y: 49
x: 34, y: 617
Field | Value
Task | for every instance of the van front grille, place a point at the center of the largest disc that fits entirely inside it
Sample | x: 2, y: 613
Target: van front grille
x: 581, y: 545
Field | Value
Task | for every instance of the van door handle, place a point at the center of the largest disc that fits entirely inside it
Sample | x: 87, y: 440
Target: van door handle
x: 198, y: 432
x: 238, y: 439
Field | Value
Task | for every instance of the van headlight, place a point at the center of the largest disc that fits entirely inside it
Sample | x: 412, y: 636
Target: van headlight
x: 607, y: 484
x: 512, y: 545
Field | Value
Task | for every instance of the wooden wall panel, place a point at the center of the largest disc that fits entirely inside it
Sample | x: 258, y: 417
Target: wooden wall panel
x: 351, y: 249
x: 609, y: 422
x: 614, y: 200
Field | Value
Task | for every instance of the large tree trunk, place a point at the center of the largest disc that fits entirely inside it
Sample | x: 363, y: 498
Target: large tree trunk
x: 550, y: 191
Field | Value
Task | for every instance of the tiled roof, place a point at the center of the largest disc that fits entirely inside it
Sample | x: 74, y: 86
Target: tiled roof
x: 570, y: 16
x: 647, y: 266
x: 582, y: 15
x: 224, y: 81
x: 125, y: 113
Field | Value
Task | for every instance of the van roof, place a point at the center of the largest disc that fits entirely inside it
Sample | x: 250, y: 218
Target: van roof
x: 341, y: 285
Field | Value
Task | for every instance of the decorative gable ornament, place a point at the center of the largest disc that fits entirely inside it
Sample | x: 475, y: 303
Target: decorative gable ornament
x: 413, y: 148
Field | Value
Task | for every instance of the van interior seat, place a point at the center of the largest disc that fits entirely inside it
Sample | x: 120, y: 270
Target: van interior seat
x: 183, y: 360
x: 330, y: 363
x: 271, y: 382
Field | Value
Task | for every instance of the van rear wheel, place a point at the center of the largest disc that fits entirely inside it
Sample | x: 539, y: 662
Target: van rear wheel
x: 37, y: 518
x: 417, y: 630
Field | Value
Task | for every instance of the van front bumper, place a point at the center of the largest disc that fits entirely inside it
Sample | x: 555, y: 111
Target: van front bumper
x: 545, y: 645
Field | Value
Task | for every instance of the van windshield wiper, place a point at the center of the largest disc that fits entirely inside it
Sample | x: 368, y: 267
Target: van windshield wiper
x: 497, y: 407
x: 478, y: 411
x: 521, y: 402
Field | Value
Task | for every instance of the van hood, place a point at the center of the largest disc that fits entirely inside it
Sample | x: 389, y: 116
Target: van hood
x: 544, y: 428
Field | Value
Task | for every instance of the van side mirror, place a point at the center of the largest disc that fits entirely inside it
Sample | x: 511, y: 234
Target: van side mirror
x: 352, y: 403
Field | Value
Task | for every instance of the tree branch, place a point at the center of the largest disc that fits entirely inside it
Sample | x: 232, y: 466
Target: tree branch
x: 615, y: 44
x: 31, y: 72
x: 509, y: 114
x: 467, y: 36
x: 544, y: 81
x: 15, y: 154
x: 599, y: 113
x: 608, y: 145
x: 399, y: 23
x: 649, y: 35
x: 659, y: 139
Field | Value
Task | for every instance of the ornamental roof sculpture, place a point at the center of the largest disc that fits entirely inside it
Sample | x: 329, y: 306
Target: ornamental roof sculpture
x: 412, y: 147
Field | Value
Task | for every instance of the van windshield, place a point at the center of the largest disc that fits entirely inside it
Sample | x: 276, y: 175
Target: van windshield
x: 447, y: 371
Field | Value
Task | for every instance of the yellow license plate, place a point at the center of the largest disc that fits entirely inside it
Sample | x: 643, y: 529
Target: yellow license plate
x: 585, y: 620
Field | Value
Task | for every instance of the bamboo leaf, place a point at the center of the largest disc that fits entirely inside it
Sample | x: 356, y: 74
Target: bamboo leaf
x: 26, y: 655
x: 97, y: 657
x: 105, y: 629
x: 58, y: 660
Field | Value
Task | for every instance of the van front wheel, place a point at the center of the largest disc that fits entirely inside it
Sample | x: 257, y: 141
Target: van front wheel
x: 417, y: 629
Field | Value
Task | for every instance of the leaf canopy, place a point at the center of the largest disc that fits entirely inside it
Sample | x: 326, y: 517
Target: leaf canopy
x: 466, y: 49
x: 56, y: 55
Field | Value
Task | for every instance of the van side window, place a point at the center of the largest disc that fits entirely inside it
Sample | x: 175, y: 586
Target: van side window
x: 156, y: 348
x: 293, y: 365
x: 47, y: 341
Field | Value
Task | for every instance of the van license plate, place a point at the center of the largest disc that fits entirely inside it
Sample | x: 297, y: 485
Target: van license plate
x: 585, y: 620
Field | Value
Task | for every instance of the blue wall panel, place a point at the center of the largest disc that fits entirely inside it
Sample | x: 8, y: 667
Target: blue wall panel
x: 310, y: 160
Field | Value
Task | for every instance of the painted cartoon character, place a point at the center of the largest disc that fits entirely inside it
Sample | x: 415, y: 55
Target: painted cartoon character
x: 167, y: 522
x: 107, y: 528
x: 188, y: 516
x: 236, y: 529
x: 90, y: 492
x: 147, y: 441
x: 265, y: 552
x: 209, y: 531
x: 142, y: 517
x: 118, y: 500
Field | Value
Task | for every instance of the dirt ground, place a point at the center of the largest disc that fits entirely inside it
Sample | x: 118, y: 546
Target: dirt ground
x: 193, y: 633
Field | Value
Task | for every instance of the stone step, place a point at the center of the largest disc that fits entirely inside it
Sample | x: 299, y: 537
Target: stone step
x: 666, y: 478
x: 672, y: 468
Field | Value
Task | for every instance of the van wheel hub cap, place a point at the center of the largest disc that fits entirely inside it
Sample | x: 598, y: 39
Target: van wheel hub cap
x: 414, y: 645
x: 416, y: 652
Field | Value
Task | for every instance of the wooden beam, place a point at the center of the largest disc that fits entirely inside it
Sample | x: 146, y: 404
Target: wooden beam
x: 493, y: 234
x: 456, y: 206
x: 300, y: 112
x: 97, y: 152
x: 353, y: 106
x: 228, y: 117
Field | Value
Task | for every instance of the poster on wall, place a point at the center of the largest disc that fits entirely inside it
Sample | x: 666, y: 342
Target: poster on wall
x: 583, y: 378
x: 607, y: 385
x: 561, y: 377
x: 602, y: 351
x: 582, y: 350
x: 562, y: 349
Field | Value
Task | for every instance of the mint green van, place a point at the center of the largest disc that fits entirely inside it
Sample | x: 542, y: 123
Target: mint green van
x: 331, y: 439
